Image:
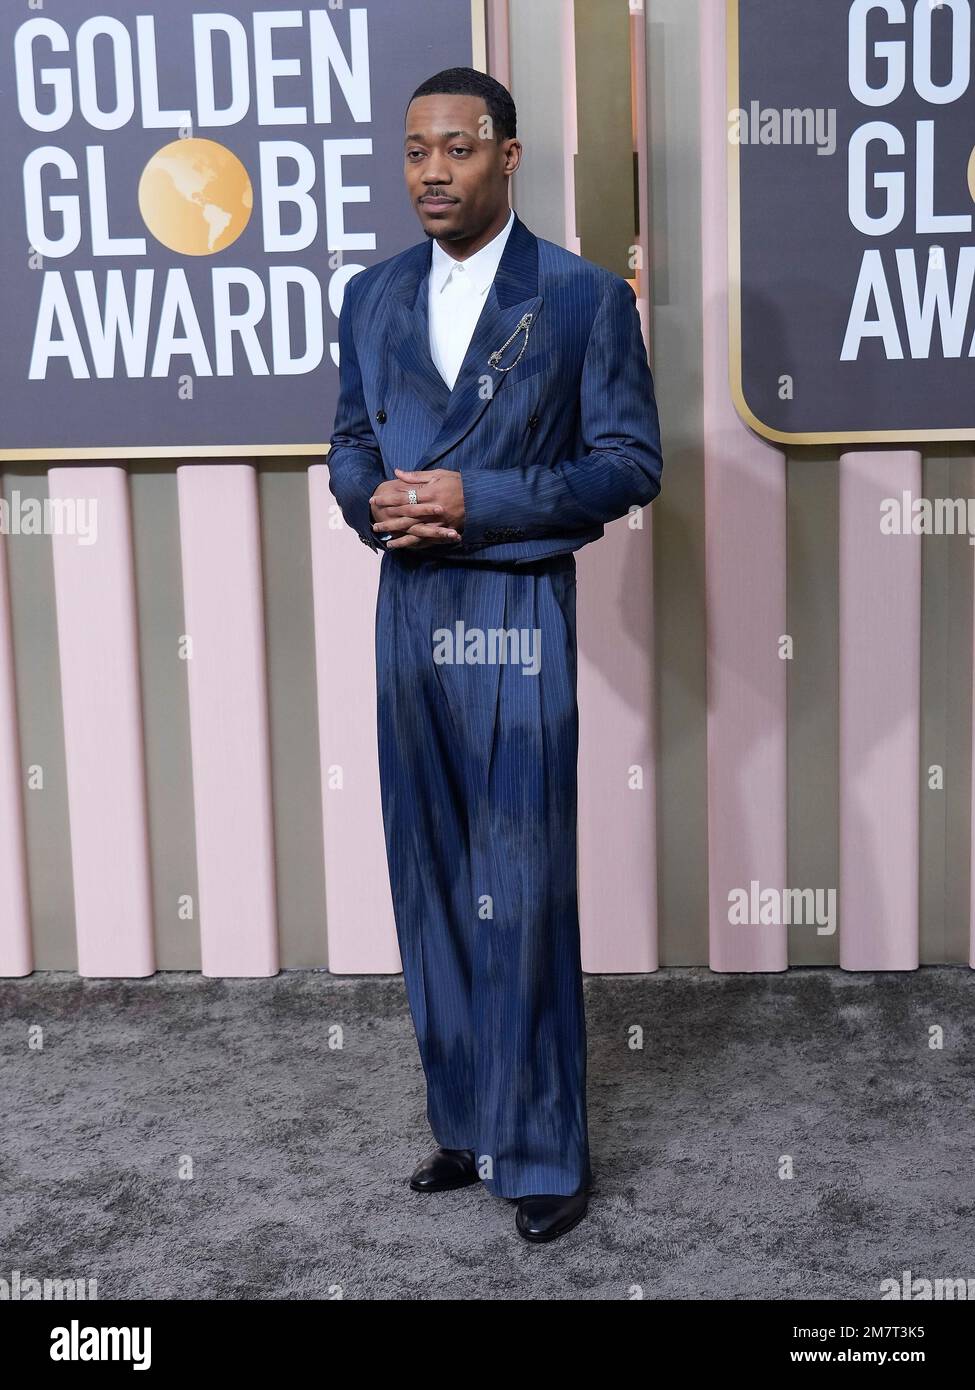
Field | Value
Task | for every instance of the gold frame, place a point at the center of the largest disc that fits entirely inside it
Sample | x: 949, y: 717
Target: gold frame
x: 734, y: 297
x: 203, y: 451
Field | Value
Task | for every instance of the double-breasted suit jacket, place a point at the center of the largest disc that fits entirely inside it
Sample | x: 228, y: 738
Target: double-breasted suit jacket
x: 565, y: 441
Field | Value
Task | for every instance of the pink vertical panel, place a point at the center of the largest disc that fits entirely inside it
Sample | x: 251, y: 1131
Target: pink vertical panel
x: 498, y: 41
x: 16, y: 955
x: 617, y: 773
x: 98, y: 650
x: 617, y: 782
x: 745, y: 560
x: 345, y: 580
x: 971, y: 957
x: 880, y: 699
x: 219, y: 527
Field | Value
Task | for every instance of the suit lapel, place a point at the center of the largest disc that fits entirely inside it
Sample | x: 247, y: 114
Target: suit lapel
x: 513, y: 294
x: 409, y: 326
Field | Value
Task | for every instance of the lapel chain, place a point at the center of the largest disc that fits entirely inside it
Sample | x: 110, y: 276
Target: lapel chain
x: 495, y: 358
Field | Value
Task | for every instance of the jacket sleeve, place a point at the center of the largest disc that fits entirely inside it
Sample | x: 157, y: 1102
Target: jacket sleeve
x: 355, y: 465
x: 621, y: 431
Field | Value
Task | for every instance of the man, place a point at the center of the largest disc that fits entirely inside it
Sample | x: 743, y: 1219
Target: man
x: 496, y: 409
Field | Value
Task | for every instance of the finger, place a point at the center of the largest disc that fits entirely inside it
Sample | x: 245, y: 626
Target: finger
x: 394, y: 522
x: 417, y: 511
x: 426, y: 475
x: 431, y: 532
x: 401, y: 498
x: 397, y: 524
x: 421, y: 512
x: 388, y: 494
x: 424, y: 535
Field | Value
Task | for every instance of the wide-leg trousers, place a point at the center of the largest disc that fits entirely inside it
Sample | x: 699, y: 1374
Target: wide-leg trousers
x: 478, y: 762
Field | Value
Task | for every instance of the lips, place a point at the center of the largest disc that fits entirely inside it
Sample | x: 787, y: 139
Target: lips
x: 438, y: 204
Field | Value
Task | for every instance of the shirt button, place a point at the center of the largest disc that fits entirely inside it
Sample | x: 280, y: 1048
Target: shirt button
x: 381, y: 416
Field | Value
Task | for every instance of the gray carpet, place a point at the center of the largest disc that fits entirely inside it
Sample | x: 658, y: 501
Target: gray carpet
x: 300, y: 1151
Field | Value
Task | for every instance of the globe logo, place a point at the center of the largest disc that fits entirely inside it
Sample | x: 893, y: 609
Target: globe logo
x: 195, y: 197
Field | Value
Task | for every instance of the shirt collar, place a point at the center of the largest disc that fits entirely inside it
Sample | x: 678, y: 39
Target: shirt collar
x: 481, y: 267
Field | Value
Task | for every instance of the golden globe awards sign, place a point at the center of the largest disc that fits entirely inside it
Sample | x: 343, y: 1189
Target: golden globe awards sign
x: 852, y: 194
x: 186, y: 188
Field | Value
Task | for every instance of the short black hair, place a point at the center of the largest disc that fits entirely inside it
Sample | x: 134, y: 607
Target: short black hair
x: 468, y: 82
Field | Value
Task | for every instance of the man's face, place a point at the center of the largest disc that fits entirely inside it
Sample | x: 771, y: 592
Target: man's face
x: 456, y: 171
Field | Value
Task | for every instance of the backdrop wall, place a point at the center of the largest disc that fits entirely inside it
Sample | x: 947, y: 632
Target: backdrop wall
x: 222, y: 814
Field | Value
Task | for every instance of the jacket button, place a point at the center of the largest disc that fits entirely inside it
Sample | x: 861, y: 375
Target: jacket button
x: 533, y: 422
x: 381, y: 416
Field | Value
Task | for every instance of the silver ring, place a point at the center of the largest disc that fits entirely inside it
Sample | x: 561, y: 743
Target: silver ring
x: 411, y: 497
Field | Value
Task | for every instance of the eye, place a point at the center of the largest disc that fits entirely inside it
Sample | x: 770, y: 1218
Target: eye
x: 461, y: 149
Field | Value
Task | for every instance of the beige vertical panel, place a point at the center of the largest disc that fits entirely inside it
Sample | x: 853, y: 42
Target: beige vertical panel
x: 296, y: 792
x: 958, y: 726
x: 880, y: 690
x: 165, y: 714
x: 16, y: 956
x: 37, y: 676
x: 812, y: 483
x: 538, y: 189
x: 678, y: 586
x: 935, y: 642
x: 605, y: 174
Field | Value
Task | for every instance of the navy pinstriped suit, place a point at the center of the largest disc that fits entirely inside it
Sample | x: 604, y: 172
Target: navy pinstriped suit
x: 478, y: 757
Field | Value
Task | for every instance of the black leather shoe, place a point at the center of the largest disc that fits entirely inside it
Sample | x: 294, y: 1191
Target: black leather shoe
x: 445, y: 1169
x: 548, y: 1216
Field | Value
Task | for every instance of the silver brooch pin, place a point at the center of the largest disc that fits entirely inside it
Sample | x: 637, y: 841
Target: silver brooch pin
x: 495, y: 358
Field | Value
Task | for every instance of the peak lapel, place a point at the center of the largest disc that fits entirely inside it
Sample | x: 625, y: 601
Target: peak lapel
x: 410, y: 331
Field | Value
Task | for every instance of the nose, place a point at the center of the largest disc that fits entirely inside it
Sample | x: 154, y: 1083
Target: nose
x: 435, y: 176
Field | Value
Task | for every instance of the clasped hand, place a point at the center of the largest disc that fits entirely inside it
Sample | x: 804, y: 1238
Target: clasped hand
x: 437, y: 518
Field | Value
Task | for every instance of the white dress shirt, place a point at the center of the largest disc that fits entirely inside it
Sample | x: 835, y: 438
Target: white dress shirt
x: 457, y: 294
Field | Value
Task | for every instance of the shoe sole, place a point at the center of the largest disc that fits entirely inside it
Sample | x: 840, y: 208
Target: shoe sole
x: 562, y: 1230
